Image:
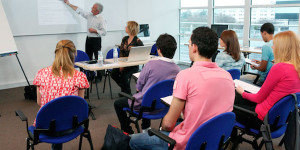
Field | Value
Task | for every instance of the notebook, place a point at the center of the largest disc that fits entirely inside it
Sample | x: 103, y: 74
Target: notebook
x: 138, y: 54
x: 248, y: 61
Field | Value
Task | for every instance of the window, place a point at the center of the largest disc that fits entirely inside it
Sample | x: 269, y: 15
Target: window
x: 194, y: 3
x: 191, y: 19
x: 229, y: 2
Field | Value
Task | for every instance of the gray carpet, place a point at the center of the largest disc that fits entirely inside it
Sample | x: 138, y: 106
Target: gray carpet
x: 12, y: 129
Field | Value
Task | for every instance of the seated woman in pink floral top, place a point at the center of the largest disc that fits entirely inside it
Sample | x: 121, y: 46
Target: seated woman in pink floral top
x: 61, y: 78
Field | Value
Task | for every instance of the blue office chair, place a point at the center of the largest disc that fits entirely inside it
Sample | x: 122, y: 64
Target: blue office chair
x: 276, y: 119
x: 59, y: 121
x: 212, y: 135
x: 154, y: 50
x: 235, y: 73
x: 151, y: 107
x: 109, y: 55
x: 82, y: 56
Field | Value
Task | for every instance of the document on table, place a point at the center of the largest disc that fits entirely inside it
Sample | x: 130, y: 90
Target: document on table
x: 249, y: 61
x: 247, y: 86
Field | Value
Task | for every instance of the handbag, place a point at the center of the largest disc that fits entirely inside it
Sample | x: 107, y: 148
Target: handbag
x: 115, y: 139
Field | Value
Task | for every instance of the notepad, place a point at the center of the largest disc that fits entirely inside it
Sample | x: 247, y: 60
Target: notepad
x: 247, y: 86
x: 249, y: 61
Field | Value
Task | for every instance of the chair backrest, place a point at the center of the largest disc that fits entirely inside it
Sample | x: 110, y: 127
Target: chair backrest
x: 81, y: 56
x: 63, y: 110
x: 154, y: 50
x: 110, y: 53
x: 155, y: 92
x: 235, y: 73
x: 279, y: 113
x: 210, y: 133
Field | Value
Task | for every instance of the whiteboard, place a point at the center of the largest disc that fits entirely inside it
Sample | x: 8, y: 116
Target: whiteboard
x: 7, y: 42
x: 23, y: 16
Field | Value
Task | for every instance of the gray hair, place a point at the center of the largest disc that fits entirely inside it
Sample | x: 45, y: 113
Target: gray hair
x: 99, y: 7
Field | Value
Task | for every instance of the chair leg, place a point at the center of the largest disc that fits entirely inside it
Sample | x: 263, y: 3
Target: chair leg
x: 88, y: 136
x: 28, y: 144
x: 97, y: 90
x: 104, y: 82
x: 136, y: 123
x: 80, y: 141
x: 91, y: 85
x: 281, y: 142
x: 110, y: 87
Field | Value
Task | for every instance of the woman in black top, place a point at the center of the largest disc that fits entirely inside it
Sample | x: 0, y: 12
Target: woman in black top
x: 122, y: 75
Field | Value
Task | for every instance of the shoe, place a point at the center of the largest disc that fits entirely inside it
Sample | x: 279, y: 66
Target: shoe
x: 146, y: 130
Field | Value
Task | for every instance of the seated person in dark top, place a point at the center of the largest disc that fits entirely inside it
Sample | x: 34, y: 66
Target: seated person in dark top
x: 154, y: 71
x: 123, y: 74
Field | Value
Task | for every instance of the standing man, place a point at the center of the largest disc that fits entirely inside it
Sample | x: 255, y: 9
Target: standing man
x: 267, y: 56
x: 95, y: 29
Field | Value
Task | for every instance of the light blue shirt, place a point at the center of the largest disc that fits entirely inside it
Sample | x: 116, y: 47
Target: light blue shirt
x: 226, y: 61
x: 267, y: 55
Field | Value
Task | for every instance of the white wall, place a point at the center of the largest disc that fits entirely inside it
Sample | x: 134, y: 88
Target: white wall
x: 36, y: 52
x: 161, y: 15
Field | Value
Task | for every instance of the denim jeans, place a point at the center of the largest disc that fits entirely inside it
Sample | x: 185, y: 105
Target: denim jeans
x: 144, y: 141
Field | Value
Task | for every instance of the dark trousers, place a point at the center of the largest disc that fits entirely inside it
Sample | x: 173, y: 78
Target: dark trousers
x: 122, y: 116
x: 122, y: 78
x: 56, y: 146
x: 92, y: 46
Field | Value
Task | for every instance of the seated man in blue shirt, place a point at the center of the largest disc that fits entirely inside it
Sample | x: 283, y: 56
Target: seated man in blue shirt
x: 267, y: 56
x: 154, y: 71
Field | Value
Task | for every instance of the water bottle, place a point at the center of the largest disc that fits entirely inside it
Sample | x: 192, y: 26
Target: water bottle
x: 100, y: 58
x: 115, y: 55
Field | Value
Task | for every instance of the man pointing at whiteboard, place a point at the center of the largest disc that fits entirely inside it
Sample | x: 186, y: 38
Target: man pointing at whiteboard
x: 95, y: 29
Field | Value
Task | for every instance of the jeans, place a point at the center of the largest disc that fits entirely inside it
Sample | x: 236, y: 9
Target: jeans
x: 146, y: 142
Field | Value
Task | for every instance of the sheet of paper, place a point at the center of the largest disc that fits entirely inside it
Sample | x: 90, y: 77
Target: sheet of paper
x: 55, y: 12
x: 249, y: 61
x: 167, y: 99
x: 247, y: 86
x: 137, y: 75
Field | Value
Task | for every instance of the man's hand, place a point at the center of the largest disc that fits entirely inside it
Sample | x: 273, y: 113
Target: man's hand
x: 92, y: 30
x: 67, y: 2
x: 253, y: 67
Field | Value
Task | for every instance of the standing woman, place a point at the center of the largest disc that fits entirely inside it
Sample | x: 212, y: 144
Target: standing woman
x: 122, y: 75
x: 61, y: 78
x: 231, y: 57
x: 283, y: 79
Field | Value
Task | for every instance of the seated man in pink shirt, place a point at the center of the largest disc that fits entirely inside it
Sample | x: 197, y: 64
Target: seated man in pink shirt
x: 200, y: 92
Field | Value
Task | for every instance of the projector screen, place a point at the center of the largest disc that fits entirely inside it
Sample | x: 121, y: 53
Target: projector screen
x: 36, y: 17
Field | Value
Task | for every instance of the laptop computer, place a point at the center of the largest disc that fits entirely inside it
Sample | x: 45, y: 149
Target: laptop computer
x: 138, y: 54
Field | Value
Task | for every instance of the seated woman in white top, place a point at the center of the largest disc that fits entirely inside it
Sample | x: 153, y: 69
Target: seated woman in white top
x: 231, y: 57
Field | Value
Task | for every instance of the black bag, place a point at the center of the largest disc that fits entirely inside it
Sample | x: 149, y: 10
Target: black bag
x: 30, y: 92
x: 115, y: 139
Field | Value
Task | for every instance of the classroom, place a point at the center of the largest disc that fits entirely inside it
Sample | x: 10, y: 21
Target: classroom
x: 209, y: 59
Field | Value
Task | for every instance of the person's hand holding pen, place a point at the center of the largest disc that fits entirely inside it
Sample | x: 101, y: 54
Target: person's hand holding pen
x: 256, y: 61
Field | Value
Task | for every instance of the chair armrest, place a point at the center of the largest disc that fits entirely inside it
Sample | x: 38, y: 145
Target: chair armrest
x: 21, y: 115
x: 245, y: 110
x: 164, y: 137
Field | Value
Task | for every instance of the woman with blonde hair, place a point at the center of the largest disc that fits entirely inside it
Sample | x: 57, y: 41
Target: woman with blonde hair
x: 61, y: 78
x: 283, y: 79
x: 121, y: 75
x: 231, y: 57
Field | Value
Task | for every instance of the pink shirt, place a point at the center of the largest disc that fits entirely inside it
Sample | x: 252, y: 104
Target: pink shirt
x: 52, y: 87
x: 282, y: 80
x: 208, y: 91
